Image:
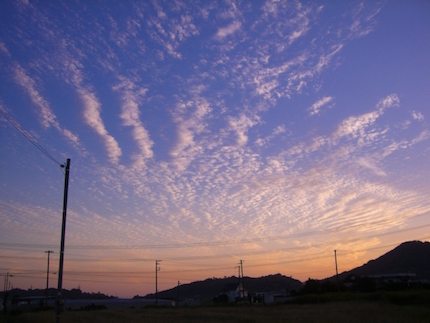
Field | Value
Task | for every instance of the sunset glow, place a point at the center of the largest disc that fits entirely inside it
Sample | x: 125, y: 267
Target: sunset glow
x: 202, y: 133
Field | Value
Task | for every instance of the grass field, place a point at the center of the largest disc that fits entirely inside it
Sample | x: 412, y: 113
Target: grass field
x: 331, y: 311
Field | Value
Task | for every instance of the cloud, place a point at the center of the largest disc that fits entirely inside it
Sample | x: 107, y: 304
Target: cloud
x: 417, y: 116
x: 316, y: 107
x: 229, y: 30
x: 355, y: 126
x: 72, y: 69
x: 325, y: 59
x: 92, y: 117
x: 4, y: 49
x: 46, y: 115
x: 424, y: 135
x: 240, y: 126
x: 131, y: 98
x: 363, y: 23
x: 302, y: 22
x: 391, y: 100
x: 370, y: 164
x: 171, y: 32
x: 190, y: 118
x: 268, y: 80
x: 352, y: 128
x: 277, y: 131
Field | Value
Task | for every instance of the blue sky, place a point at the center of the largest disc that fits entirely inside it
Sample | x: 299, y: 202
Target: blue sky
x: 202, y: 133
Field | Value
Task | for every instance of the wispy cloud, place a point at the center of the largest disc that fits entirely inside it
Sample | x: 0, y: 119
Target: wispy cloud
x: 228, y: 30
x: 277, y: 131
x: 417, y: 115
x: 92, y: 117
x: 190, y: 118
x: 240, y: 126
x: 391, y: 100
x: 355, y: 126
x: 362, y: 23
x: 171, y: 32
x: 72, y: 73
x: 354, y: 129
x: 316, y: 107
x: 131, y: 99
x: 4, y: 49
x: 47, y: 116
x: 370, y: 164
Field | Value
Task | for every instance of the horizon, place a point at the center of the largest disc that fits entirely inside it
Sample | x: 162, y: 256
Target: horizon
x: 205, y: 134
x: 220, y: 278
x: 227, y: 277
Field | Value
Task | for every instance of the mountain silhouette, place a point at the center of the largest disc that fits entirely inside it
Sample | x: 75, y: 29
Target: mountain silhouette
x: 409, y: 257
x: 212, y: 287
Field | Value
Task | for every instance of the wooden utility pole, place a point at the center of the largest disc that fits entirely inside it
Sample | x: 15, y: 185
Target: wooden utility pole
x: 47, y: 277
x: 241, y: 285
x: 63, y: 235
x: 157, y: 269
x: 177, y: 294
x: 337, y: 274
x: 7, y: 282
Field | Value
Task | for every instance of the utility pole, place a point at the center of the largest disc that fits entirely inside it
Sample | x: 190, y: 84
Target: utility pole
x: 7, y: 283
x: 177, y: 294
x: 241, y: 279
x: 337, y: 274
x: 238, y: 272
x: 63, y: 234
x: 47, y: 277
x: 157, y: 269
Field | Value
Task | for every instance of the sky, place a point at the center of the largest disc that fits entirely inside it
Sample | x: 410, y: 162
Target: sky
x: 202, y: 133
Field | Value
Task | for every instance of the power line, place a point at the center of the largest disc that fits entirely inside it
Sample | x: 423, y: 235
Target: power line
x: 206, y: 243
x: 126, y: 275
x: 29, y: 138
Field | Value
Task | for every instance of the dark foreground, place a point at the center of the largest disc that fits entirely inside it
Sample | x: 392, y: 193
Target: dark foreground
x: 357, y: 310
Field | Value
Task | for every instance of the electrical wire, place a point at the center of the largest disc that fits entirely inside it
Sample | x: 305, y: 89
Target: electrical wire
x: 29, y: 138
x: 99, y: 277
x: 18, y: 246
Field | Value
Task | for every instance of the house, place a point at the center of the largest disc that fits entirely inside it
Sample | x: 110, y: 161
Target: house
x: 235, y: 292
x: 271, y: 297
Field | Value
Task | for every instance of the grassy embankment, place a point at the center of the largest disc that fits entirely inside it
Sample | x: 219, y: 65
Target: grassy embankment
x: 376, y: 307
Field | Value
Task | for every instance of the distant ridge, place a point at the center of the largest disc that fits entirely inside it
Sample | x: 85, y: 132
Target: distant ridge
x: 212, y: 287
x: 408, y: 257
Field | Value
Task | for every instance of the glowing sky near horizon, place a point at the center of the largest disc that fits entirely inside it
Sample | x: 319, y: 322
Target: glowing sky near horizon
x: 201, y: 133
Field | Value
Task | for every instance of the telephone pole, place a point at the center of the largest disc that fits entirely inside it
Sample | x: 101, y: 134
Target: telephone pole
x: 337, y: 274
x: 47, y: 277
x: 241, y: 280
x: 240, y: 272
x: 7, y: 282
x: 177, y: 294
x: 63, y: 234
x: 157, y: 269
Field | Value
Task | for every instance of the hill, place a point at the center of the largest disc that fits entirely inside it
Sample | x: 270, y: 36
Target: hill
x: 212, y: 287
x: 408, y: 257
